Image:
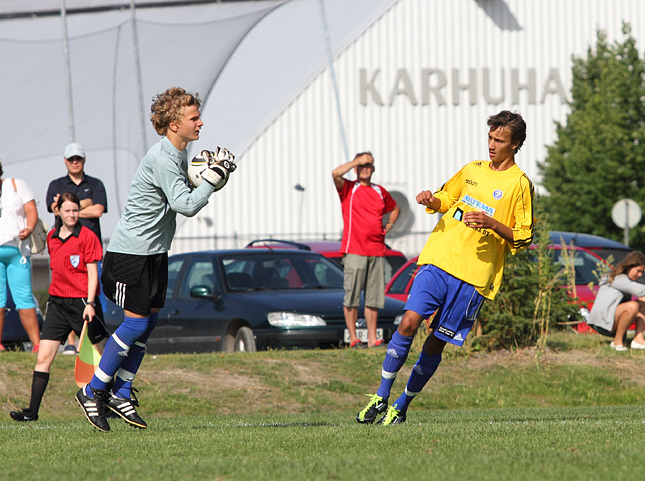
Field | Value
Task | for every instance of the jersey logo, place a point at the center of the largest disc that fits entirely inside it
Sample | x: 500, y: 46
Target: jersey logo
x: 489, y: 211
x: 498, y: 194
x: 75, y: 259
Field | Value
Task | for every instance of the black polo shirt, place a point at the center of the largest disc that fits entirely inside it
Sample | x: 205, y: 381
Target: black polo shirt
x: 89, y: 188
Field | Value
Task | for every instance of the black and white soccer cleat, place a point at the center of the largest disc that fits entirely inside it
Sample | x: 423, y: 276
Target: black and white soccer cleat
x: 93, y: 408
x: 125, y: 409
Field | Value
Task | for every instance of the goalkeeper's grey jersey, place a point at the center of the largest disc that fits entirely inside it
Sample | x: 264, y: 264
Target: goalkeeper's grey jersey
x: 160, y: 189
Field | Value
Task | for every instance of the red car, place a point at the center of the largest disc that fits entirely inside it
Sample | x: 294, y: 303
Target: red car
x: 331, y: 249
x: 585, y: 263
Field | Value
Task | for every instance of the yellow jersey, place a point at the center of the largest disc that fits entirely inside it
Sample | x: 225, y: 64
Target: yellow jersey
x: 477, y: 256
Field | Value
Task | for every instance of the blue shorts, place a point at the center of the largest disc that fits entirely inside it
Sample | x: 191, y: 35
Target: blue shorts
x: 16, y: 269
x: 456, y: 302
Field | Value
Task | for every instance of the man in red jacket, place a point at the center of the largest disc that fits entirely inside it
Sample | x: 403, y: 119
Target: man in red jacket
x: 363, y: 204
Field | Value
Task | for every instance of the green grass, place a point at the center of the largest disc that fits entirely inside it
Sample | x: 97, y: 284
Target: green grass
x: 504, y: 444
x: 574, y: 412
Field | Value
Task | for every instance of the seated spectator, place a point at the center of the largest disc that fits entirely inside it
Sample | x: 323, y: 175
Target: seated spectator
x: 614, y: 310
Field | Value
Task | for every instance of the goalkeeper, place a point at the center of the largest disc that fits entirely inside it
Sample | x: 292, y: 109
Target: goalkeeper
x: 135, y: 266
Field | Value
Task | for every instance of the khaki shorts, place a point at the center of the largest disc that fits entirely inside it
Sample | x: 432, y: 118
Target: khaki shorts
x: 364, y: 273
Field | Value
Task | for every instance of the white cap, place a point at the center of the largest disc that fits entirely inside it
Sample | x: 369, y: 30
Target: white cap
x: 74, y: 150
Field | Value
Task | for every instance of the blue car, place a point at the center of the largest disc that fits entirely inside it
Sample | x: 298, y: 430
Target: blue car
x: 13, y: 334
x: 249, y: 299
x: 601, y: 246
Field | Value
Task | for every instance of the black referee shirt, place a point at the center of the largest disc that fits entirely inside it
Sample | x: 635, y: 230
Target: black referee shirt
x: 89, y: 188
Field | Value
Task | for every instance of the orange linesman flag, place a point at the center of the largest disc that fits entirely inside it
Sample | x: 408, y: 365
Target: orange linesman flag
x: 87, y: 359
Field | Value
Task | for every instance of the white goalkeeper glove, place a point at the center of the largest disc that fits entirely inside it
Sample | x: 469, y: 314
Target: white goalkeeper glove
x: 216, y: 176
x: 213, y: 167
x: 224, y: 158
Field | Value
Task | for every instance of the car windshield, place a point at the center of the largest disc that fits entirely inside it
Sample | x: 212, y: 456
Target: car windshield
x: 400, y: 284
x: 280, y: 270
x: 392, y: 264
x: 586, y: 266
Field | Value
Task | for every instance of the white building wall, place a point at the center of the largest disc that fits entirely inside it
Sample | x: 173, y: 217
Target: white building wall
x: 419, y: 136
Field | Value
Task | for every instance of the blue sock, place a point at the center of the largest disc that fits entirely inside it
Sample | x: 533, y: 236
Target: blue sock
x: 116, y: 351
x: 395, y: 356
x: 421, y: 373
x: 128, y: 370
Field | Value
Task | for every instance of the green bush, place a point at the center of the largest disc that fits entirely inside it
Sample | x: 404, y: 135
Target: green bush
x: 531, y: 300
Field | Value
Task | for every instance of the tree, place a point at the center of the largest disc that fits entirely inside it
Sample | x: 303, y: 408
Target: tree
x: 599, y: 155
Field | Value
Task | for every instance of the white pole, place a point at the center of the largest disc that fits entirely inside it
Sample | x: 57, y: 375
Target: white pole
x: 626, y: 230
x: 135, y: 40
x: 300, y: 188
x: 68, y: 73
x: 333, y: 77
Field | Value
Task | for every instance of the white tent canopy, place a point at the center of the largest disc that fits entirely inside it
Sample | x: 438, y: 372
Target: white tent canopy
x: 246, y: 59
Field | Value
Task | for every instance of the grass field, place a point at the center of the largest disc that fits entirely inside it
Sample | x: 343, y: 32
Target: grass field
x: 573, y: 413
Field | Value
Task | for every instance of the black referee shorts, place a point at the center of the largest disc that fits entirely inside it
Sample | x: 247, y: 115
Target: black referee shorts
x: 65, y: 314
x: 135, y: 283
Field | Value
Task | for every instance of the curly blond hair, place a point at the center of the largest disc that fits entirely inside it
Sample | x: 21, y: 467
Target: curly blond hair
x: 169, y: 107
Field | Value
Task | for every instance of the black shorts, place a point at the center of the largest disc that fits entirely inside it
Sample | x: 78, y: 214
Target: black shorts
x: 602, y: 331
x: 65, y: 314
x: 135, y: 283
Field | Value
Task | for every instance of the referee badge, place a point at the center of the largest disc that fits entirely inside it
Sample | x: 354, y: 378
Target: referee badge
x: 75, y: 260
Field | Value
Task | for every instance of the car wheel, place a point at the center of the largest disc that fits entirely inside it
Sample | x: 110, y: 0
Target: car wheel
x: 244, y: 340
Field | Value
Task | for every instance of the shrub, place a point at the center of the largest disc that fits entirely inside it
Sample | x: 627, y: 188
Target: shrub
x: 532, y: 299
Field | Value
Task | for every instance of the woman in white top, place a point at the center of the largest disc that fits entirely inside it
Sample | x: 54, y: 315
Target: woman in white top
x: 18, y: 217
x: 614, y: 310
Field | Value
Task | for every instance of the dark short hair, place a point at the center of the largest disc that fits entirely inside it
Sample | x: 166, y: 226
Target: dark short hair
x: 514, y: 122
x: 367, y: 152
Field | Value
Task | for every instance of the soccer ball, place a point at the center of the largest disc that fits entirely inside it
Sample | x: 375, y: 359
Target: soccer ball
x: 202, y: 161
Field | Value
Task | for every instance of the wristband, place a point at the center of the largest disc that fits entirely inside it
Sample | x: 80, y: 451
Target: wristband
x: 92, y: 303
x: 210, y: 176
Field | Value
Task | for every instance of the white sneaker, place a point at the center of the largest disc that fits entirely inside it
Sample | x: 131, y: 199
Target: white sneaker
x: 636, y: 345
x: 620, y: 348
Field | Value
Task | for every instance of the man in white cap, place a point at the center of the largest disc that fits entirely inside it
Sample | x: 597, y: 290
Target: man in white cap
x: 91, y: 193
x: 89, y: 190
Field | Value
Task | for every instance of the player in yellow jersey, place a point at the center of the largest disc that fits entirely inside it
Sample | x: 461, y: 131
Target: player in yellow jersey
x: 488, y: 212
